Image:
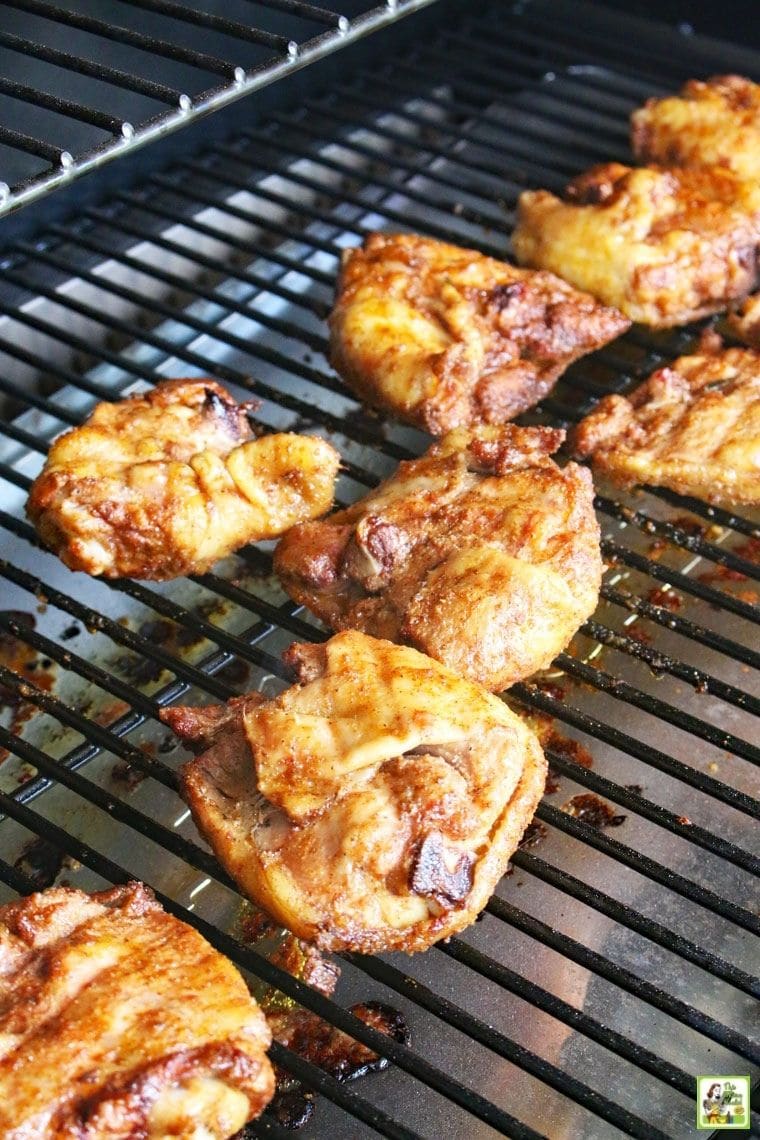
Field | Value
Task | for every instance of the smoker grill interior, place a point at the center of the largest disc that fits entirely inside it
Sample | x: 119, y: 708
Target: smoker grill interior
x: 612, y: 965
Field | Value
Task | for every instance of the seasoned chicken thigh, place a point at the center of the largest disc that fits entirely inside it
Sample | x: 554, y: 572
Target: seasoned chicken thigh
x: 745, y: 322
x: 372, y: 806
x: 693, y: 426
x: 710, y: 123
x: 482, y: 553
x: 167, y: 482
x: 664, y: 246
x: 119, y: 1021
x: 443, y: 337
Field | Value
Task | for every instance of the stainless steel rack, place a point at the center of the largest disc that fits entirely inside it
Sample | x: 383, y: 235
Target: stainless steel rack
x: 207, y: 59
x: 611, y: 966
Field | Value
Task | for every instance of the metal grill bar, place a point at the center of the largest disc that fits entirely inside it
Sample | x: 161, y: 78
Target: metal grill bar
x: 26, y: 94
x: 624, y: 979
x: 122, y: 35
x: 248, y: 246
x: 100, y: 71
x: 194, y: 856
x: 306, y: 11
x: 627, y: 798
x: 311, y: 999
x: 313, y: 1077
x: 305, y: 631
x: 541, y: 999
x: 249, y: 56
x: 264, y: 284
x: 202, y: 19
x: 620, y: 690
x: 21, y: 141
x: 649, y: 867
x: 257, y: 242
x: 603, y: 843
x: 681, y: 582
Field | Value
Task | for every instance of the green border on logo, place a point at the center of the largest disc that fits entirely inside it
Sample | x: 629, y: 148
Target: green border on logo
x: 714, y: 1126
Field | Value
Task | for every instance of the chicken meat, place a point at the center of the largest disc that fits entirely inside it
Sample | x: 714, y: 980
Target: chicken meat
x: 664, y: 246
x: 444, y: 337
x: 118, y: 1021
x: 745, y: 321
x: 373, y: 805
x: 483, y: 553
x: 167, y: 482
x: 693, y: 426
x: 713, y: 122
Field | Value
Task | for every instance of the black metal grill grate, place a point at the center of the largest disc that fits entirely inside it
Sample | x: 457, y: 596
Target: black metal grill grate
x: 611, y: 966
x: 98, y: 97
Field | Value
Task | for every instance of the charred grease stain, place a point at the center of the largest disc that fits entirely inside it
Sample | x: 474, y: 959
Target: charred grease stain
x: 665, y: 598
x: 41, y: 862
x: 750, y: 552
x: 27, y: 664
x: 590, y: 809
x: 303, y: 1032
x: 331, y: 1050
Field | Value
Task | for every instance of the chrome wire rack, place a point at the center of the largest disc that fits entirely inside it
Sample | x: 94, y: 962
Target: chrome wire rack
x: 613, y: 963
x: 98, y: 97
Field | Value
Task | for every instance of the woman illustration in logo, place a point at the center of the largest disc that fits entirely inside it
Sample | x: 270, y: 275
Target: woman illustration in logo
x: 711, y: 1105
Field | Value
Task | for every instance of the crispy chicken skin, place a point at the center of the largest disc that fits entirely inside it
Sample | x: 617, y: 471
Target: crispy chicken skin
x: 372, y: 806
x: 444, y: 337
x: 664, y: 246
x: 693, y: 426
x: 482, y: 553
x: 710, y: 123
x: 167, y: 482
x: 745, y: 322
x: 117, y: 1021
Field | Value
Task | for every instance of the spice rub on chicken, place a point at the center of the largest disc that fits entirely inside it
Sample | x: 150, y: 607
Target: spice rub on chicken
x: 664, y: 246
x: 117, y: 1020
x: 167, y: 482
x: 372, y: 806
x: 745, y: 321
x: 693, y: 426
x: 483, y: 553
x: 444, y: 337
x: 715, y: 122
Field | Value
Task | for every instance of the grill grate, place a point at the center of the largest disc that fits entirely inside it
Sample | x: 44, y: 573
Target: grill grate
x: 610, y: 966
x: 113, y: 64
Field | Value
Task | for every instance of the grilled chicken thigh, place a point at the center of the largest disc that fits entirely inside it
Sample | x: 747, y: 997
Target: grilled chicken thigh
x: 664, y: 246
x: 693, y: 426
x: 372, y: 806
x: 167, y: 482
x: 745, y: 322
x: 482, y: 553
x: 711, y: 123
x: 119, y: 1021
x: 444, y: 337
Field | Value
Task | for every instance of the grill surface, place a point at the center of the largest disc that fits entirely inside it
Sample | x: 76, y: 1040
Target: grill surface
x: 612, y: 965
x: 132, y: 72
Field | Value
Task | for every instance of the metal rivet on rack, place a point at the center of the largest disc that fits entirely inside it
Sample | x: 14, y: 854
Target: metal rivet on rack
x: 306, y: 33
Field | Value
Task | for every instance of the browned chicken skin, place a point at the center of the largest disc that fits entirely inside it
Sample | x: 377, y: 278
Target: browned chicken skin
x: 444, y: 337
x: 745, y: 322
x: 710, y: 123
x: 117, y: 1021
x: 167, y: 482
x: 374, y: 805
x: 693, y: 426
x: 664, y: 246
x: 482, y: 553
